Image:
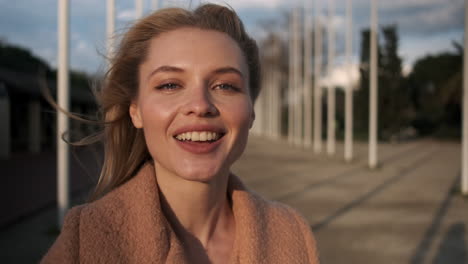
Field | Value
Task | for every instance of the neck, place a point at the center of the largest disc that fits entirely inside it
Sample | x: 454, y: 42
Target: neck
x: 196, y: 209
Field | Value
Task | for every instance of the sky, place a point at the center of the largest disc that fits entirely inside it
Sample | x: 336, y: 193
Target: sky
x: 424, y: 26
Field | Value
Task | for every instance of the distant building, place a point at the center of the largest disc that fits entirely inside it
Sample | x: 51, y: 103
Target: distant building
x: 27, y: 120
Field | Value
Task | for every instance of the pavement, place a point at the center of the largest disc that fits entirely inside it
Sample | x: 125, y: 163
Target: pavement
x: 408, y: 210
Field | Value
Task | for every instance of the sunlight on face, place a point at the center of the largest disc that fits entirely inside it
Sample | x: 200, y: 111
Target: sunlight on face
x: 194, y: 103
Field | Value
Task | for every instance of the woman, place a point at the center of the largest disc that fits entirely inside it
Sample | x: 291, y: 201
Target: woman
x: 178, y: 106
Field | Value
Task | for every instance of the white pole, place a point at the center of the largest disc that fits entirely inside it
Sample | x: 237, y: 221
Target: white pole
x: 331, y: 88
x: 290, y: 80
x: 307, y: 75
x: 297, y: 80
x: 138, y: 9
x: 272, y: 103
x: 317, y: 86
x: 276, y: 90
x: 464, y: 181
x: 156, y: 4
x: 278, y: 102
x: 110, y: 22
x: 348, y: 155
x: 373, y: 88
x: 63, y: 153
x: 269, y: 100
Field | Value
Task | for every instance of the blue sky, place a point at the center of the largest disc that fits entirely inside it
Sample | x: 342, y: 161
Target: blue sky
x: 425, y: 26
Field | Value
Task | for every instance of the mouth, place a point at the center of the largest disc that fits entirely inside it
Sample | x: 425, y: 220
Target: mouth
x: 199, y: 136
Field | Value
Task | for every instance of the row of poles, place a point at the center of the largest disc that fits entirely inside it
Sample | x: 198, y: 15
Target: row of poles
x: 300, y: 86
x: 299, y: 102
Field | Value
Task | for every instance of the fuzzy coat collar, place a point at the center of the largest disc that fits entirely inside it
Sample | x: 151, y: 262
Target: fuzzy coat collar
x: 128, y: 226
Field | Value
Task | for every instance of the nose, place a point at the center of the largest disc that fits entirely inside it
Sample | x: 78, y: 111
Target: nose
x: 199, y: 102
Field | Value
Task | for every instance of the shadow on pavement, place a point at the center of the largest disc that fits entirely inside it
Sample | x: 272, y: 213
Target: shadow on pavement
x: 453, y: 248
x: 425, y: 244
x: 347, y: 174
x: 401, y: 174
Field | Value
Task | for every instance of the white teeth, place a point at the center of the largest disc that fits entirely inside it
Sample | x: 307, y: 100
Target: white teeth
x: 195, y: 136
x: 203, y: 136
x: 198, y: 136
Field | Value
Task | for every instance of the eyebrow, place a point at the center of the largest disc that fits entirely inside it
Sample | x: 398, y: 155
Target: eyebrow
x: 229, y: 69
x: 166, y: 68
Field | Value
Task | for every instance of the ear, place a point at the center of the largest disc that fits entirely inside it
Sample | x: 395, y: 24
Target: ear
x: 252, y: 119
x: 134, y: 111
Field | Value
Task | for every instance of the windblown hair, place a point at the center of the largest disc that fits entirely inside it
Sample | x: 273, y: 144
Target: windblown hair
x: 125, y: 148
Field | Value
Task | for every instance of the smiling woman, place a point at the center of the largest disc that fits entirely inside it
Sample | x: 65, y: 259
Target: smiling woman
x: 178, y: 106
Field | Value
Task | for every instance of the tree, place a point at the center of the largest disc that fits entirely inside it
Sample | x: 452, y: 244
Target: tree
x: 394, y: 108
x: 19, y: 59
x: 436, y: 91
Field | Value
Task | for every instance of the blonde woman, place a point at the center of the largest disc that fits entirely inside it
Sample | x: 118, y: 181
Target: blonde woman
x: 178, y: 106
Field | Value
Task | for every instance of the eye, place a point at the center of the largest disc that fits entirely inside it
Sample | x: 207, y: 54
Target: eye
x: 168, y: 86
x: 227, y: 87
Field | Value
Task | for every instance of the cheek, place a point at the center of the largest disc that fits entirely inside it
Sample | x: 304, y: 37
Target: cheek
x: 239, y: 117
x: 242, y: 115
x: 156, y: 118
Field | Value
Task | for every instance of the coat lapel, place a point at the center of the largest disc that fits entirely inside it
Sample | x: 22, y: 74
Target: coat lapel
x: 129, y: 226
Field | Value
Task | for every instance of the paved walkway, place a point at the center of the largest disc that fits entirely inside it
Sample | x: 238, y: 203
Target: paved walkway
x: 406, y: 211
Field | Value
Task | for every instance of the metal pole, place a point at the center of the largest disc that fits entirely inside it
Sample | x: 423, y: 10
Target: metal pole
x: 276, y: 84
x: 331, y: 88
x: 464, y: 181
x: 297, y: 80
x: 307, y: 75
x: 348, y: 155
x: 269, y: 101
x: 63, y: 152
x: 373, y: 88
x: 317, y: 86
x: 138, y: 9
x: 110, y: 22
x: 156, y: 4
x: 278, y: 101
x: 290, y: 81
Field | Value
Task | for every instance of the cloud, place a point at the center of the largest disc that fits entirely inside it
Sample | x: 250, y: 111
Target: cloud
x: 421, y: 17
x: 82, y: 47
x: 342, y: 76
x: 126, y: 15
x: 239, y: 4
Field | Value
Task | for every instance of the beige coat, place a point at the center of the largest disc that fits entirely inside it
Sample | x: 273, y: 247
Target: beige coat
x: 128, y: 226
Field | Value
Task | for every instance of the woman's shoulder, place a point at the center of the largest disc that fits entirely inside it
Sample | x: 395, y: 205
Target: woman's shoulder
x: 66, y: 247
x: 274, y: 211
x: 103, y: 229
x: 139, y: 189
x: 281, y: 214
x: 276, y: 225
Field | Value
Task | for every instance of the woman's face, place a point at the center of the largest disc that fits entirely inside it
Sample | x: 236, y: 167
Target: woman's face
x: 194, y: 103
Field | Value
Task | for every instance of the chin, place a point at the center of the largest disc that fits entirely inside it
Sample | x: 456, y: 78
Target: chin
x: 204, y: 175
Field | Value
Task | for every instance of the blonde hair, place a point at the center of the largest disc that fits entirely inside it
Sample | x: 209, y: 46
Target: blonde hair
x: 125, y: 149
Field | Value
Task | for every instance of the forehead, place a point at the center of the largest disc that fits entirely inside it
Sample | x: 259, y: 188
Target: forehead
x: 193, y: 47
